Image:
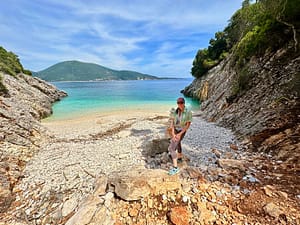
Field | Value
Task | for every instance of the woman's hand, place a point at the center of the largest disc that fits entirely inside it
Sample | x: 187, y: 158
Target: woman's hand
x: 176, y: 137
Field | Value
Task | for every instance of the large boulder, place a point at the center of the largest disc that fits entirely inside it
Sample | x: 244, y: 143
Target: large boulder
x: 136, y: 184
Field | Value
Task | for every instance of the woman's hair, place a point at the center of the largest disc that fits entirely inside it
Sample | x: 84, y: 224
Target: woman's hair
x: 177, y: 110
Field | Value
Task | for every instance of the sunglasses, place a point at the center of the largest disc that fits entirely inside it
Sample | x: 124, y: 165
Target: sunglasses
x: 180, y: 102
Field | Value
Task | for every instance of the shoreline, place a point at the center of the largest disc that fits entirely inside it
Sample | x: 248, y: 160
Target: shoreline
x: 116, y: 111
x: 91, y: 123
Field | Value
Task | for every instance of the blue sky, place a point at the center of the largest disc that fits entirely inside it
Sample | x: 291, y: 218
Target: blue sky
x: 157, y: 37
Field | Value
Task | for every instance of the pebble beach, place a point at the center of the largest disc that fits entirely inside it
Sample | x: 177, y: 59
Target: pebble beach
x: 80, y: 149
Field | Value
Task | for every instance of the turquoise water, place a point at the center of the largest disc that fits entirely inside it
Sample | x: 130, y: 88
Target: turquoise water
x: 90, y: 97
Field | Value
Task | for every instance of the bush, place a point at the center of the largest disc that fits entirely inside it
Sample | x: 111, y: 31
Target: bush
x: 209, y: 57
x: 10, y: 63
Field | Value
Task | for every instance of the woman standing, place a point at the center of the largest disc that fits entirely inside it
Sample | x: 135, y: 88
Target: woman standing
x: 181, y: 120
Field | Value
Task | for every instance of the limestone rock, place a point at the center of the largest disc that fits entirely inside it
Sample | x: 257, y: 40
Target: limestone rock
x: 139, y: 183
x: 88, y: 209
x: 231, y: 163
x: 157, y: 146
x: 29, y: 99
x: 272, y: 210
x: 266, y: 112
x: 100, y: 185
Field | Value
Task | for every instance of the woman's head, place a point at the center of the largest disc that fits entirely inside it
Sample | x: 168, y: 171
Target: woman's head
x: 180, y: 103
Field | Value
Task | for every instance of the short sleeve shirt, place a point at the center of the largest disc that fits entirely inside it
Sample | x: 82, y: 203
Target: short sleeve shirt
x: 180, y: 121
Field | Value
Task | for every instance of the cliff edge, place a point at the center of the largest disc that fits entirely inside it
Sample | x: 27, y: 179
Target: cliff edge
x: 266, y: 114
x: 25, y: 102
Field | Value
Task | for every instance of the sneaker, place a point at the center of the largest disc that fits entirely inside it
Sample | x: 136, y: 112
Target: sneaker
x: 173, y: 171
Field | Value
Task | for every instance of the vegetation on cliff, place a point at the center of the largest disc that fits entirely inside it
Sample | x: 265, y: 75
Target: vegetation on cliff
x: 252, y: 30
x: 9, y: 64
x: 80, y: 71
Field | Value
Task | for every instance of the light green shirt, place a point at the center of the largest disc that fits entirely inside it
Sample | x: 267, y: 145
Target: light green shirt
x: 179, y: 122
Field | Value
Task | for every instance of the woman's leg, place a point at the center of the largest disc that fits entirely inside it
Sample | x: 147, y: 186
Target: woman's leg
x: 179, y: 148
x: 172, y: 148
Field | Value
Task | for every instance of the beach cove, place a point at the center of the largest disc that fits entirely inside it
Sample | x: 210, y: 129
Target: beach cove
x: 98, y: 168
x: 78, y: 150
x: 110, y: 166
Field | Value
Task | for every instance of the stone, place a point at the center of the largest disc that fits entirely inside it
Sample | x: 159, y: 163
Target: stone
x: 88, y: 209
x: 157, y: 146
x: 101, y: 217
x: 136, y: 184
x: 272, y: 210
x: 100, y: 185
x: 231, y: 164
x: 234, y: 147
x: 206, y: 216
x: 193, y: 172
x: 69, y: 206
x: 179, y: 216
x: 216, y: 152
x: 251, y: 179
x: 6, y: 198
x: 269, y: 190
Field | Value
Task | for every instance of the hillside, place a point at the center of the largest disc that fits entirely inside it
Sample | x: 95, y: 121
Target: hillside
x: 80, y: 71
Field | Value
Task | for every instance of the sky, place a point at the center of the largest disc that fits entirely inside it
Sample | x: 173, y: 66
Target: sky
x: 157, y: 37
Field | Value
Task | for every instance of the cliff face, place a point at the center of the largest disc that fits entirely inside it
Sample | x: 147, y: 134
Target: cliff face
x: 28, y: 100
x: 266, y: 113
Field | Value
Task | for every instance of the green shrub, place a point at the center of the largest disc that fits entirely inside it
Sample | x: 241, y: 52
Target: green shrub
x: 209, y: 57
x: 10, y: 63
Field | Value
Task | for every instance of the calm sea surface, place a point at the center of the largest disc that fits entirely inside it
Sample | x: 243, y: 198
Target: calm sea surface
x: 97, y: 97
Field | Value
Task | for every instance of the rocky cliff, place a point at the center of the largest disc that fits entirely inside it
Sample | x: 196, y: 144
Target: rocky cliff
x: 266, y: 113
x: 27, y: 101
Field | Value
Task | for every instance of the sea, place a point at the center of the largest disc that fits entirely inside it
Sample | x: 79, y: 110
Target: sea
x: 105, y: 96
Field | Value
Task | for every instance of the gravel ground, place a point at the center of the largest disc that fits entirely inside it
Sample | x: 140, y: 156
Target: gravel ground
x: 202, y: 137
x: 79, y: 150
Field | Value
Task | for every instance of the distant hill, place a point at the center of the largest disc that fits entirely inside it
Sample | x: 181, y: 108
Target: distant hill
x: 80, y: 71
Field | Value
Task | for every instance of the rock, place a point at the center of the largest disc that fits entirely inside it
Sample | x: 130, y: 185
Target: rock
x: 251, y: 179
x: 6, y: 198
x: 101, y: 217
x: 206, y: 216
x: 231, y: 164
x: 29, y: 99
x: 157, y: 146
x: 179, y: 216
x: 133, y: 212
x: 269, y: 190
x: 69, y: 206
x: 139, y: 183
x: 100, y: 185
x: 108, y: 198
x: 90, y: 208
x: 266, y: 112
x: 216, y: 152
x: 273, y: 210
x: 234, y: 147
x: 192, y: 172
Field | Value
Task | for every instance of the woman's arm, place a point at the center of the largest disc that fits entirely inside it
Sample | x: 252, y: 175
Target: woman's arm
x: 185, y: 128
